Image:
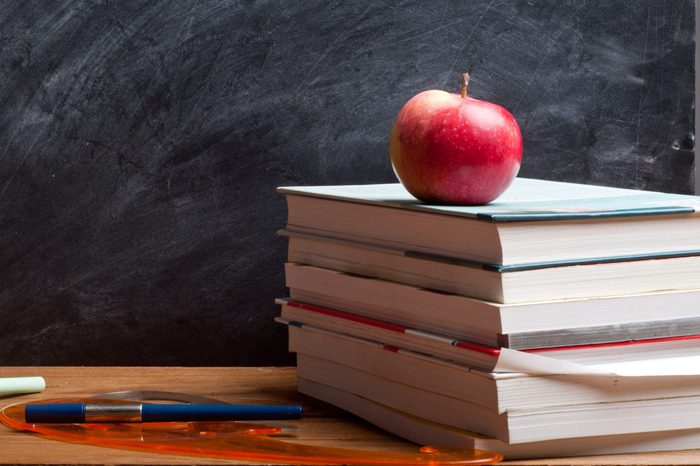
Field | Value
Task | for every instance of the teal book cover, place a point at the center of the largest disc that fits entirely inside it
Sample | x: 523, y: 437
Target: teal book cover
x: 525, y: 200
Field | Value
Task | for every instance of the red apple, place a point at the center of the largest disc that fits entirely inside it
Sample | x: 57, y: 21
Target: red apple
x: 452, y: 149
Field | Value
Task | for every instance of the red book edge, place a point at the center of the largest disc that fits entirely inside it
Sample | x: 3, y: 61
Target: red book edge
x: 466, y: 345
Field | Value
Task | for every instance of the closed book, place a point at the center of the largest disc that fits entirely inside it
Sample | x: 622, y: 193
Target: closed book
x: 516, y: 426
x: 534, y: 223
x: 494, y: 392
x: 452, y: 275
x: 532, y: 324
x: 425, y: 432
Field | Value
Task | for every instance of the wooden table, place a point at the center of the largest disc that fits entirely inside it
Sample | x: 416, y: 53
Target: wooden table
x: 323, y: 424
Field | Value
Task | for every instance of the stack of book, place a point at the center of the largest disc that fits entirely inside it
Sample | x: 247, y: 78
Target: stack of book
x: 561, y: 319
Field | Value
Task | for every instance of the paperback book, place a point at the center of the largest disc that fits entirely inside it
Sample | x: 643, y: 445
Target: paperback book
x: 499, y: 391
x: 515, y: 426
x: 425, y: 432
x: 561, y: 322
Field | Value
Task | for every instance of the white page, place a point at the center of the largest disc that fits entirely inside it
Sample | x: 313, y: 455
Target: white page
x: 665, y: 365
x: 680, y: 365
x: 518, y: 361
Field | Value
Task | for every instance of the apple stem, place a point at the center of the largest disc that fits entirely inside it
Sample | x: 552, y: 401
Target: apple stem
x: 465, y: 85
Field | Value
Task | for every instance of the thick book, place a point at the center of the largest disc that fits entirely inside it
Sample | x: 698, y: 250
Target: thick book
x: 425, y: 432
x: 467, y: 278
x: 534, y: 223
x: 494, y: 392
x: 561, y: 322
x: 467, y: 352
x: 517, y: 426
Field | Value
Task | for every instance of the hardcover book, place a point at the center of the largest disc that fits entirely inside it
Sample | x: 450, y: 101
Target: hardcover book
x: 534, y: 223
x: 590, y: 280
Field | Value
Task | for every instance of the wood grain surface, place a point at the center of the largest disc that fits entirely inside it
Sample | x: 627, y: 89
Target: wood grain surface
x: 323, y: 425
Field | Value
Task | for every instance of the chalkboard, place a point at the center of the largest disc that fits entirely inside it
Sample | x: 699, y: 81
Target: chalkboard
x: 141, y: 143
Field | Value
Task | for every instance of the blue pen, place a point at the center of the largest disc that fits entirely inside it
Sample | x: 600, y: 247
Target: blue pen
x: 150, y: 412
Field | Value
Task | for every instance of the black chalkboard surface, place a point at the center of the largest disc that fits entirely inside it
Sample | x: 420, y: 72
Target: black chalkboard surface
x: 141, y: 143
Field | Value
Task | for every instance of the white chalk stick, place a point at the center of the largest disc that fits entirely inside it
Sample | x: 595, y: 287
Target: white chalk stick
x: 19, y: 385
